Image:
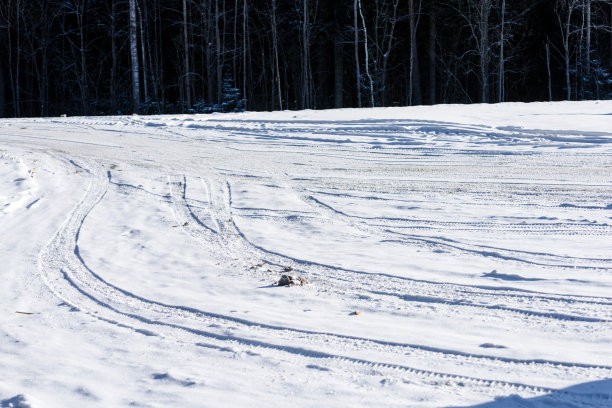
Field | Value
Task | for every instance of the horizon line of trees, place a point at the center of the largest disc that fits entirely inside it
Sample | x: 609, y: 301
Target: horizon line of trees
x: 94, y: 57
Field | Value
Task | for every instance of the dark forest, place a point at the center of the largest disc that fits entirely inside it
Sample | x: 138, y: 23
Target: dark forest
x: 106, y: 57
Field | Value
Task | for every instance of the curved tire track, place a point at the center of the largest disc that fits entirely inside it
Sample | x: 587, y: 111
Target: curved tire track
x: 66, y: 274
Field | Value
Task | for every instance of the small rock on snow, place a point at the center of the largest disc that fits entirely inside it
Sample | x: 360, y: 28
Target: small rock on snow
x: 291, y: 280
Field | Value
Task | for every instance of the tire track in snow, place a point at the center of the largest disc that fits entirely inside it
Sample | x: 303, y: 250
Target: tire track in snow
x: 69, y: 278
x: 580, y: 309
x: 335, y: 215
x: 430, y: 297
x: 233, y: 244
x: 502, y: 254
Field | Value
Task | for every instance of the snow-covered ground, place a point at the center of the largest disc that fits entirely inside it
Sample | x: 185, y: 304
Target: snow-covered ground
x: 139, y: 255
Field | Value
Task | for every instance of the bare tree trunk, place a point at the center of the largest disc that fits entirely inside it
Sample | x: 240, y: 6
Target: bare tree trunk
x: 83, y: 68
x: 152, y: 70
x: 187, y: 74
x: 143, y: 41
x: 245, y: 41
x: 222, y: 33
x: 43, y: 77
x: 113, y: 73
x: 134, y: 58
x: 412, y: 46
x: 565, y: 25
x: 588, y: 39
x: 414, y: 87
x: 306, y: 74
x: 305, y: 55
x: 548, y: 70
x: 356, y: 42
x: 209, y: 46
x: 338, y: 73
x: 502, y: 39
x: 159, y: 57
x: 2, y: 100
x: 485, y: 7
x: 235, y: 44
x: 566, y: 56
x: 367, y: 58
x: 388, y: 51
x: 565, y: 10
x: 44, y: 97
x: 432, y: 55
x: 218, y: 53
x: 17, y: 63
x: 581, y: 56
x: 275, y: 46
x: 14, y: 68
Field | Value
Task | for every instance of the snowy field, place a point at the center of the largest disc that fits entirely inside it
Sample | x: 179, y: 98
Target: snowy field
x: 139, y: 257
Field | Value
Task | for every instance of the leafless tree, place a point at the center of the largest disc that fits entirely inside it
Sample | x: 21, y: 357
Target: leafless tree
x: 356, y: 45
x: 187, y: 74
x: 502, y: 44
x: 219, y: 51
x: 134, y: 58
x: 13, y: 18
x: 414, y: 87
x: 367, y: 55
x: 548, y: 70
x: 390, y: 18
x: 338, y: 68
x: 245, y: 49
x: 277, y: 74
x: 565, y: 10
x: 307, y: 87
x: 432, y: 53
x: 476, y: 14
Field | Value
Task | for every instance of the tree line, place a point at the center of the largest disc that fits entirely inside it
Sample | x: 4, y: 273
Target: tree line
x: 92, y: 57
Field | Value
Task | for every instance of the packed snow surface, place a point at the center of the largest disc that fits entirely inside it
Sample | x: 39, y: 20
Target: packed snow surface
x: 456, y: 256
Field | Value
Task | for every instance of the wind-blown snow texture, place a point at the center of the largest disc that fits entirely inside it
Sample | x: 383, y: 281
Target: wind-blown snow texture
x: 139, y: 255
